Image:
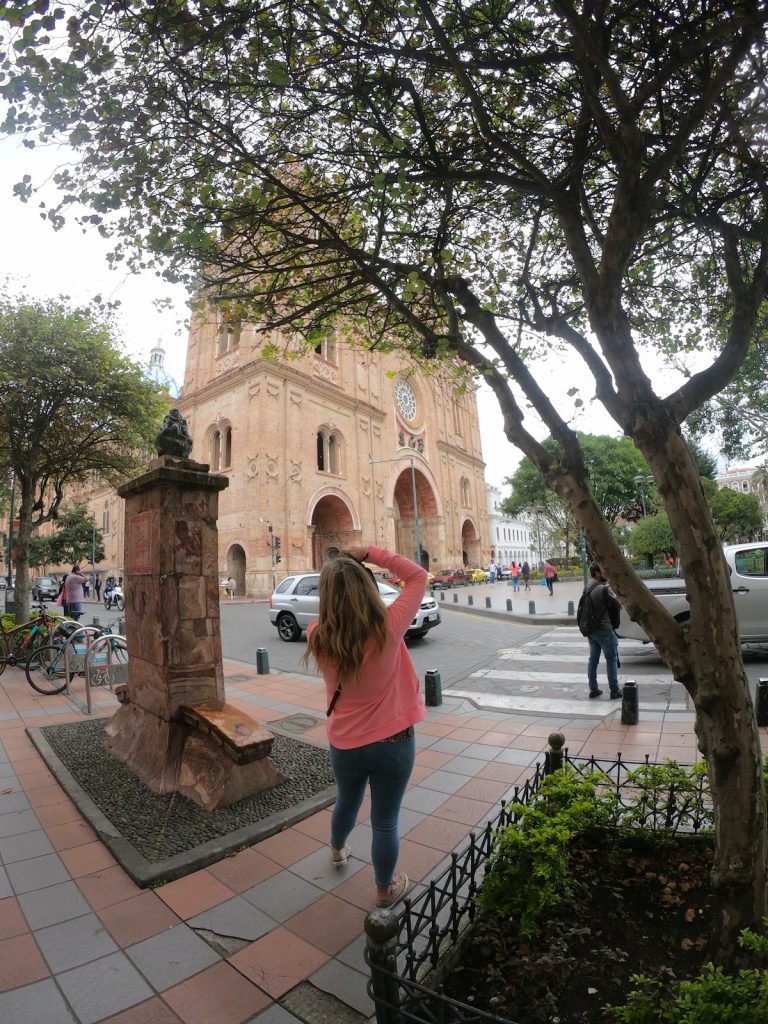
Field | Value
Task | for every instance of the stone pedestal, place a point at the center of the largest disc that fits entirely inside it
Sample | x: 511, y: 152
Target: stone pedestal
x: 174, y: 728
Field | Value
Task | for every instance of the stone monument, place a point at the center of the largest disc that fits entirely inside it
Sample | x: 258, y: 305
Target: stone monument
x: 174, y: 727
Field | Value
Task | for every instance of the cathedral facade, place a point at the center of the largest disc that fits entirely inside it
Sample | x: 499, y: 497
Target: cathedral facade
x: 333, y: 447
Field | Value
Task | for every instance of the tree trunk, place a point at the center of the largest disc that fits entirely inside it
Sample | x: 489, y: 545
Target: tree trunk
x: 23, y: 538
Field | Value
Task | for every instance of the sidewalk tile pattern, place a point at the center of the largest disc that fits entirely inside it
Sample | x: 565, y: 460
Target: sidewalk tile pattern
x: 81, y: 943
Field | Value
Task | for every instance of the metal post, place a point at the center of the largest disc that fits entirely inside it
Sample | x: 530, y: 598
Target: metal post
x: 381, y: 930
x: 761, y: 701
x: 570, y: 608
x: 553, y: 757
x: 470, y: 600
x: 415, y: 512
x: 509, y: 604
x: 262, y: 661
x: 487, y: 602
x: 630, y: 708
x: 583, y: 553
x: 531, y: 607
x: 433, y: 692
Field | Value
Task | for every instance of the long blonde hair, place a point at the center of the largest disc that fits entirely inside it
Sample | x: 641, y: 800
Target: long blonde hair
x: 351, y: 612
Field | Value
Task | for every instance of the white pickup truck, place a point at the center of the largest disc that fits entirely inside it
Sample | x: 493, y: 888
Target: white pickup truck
x: 748, y: 564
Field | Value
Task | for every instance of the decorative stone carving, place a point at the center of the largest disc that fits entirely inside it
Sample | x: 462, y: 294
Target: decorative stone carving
x: 174, y: 438
x: 253, y: 466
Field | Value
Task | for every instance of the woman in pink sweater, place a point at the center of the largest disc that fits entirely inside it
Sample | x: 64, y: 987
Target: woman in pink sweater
x: 374, y: 700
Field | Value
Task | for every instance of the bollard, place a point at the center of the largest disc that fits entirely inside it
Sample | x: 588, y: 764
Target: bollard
x: 509, y: 604
x: 262, y: 661
x: 455, y: 598
x: 761, y: 701
x: 433, y: 693
x: 553, y: 758
x: 470, y: 600
x: 531, y: 607
x: 570, y: 608
x: 96, y: 622
x: 121, y: 627
x: 630, y: 709
x: 381, y: 933
x: 442, y: 595
x: 487, y: 602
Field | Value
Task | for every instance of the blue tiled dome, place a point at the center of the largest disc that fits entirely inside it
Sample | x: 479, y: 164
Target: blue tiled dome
x: 158, y: 373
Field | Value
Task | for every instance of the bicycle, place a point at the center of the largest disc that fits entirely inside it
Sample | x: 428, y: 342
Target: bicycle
x: 17, y: 644
x: 46, y: 667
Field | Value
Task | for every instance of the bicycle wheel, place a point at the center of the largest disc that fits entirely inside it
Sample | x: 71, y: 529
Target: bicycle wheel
x: 46, y: 669
x: 3, y: 654
x: 120, y: 602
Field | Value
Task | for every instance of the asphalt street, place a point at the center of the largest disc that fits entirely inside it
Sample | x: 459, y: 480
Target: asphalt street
x: 484, y: 656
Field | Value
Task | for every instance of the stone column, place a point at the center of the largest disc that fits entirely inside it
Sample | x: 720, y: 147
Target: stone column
x: 174, y: 728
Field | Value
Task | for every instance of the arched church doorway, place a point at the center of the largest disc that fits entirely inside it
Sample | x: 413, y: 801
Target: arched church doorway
x: 236, y: 568
x: 417, y: 522
x: 333, y: 527
x: 470, y: 544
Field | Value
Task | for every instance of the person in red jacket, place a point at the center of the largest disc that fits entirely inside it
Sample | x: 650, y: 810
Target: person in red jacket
x: 374, y: 701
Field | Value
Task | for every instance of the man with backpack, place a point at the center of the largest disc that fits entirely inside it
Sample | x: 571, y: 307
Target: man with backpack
x: 597, y: 617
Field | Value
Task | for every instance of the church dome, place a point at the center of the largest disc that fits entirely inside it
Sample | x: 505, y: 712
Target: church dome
x: 157, y: 372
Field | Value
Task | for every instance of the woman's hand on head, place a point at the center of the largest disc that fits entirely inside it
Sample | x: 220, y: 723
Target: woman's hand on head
x: 358, y: 553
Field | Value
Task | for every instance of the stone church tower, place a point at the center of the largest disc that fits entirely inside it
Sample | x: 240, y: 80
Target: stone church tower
x: 333, y: 447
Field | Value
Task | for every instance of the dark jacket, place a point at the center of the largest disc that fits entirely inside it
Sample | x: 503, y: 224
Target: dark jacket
x: 601, y: 596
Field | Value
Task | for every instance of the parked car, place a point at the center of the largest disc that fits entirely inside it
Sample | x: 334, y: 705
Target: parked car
x: 449, y: 578
x: 479, y: 576
x: 748, y: 565
x: 296, y: 602
x: 44, y: 588
x: 387, y: 576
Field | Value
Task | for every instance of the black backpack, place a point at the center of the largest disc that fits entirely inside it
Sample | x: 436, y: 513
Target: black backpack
x: 587, y: 616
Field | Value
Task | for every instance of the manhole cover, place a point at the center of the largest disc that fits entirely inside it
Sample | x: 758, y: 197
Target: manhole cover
x: 237, y: 679
x: 295, y: 723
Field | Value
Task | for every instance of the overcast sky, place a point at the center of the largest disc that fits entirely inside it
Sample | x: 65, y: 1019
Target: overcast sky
x: 72, y: 262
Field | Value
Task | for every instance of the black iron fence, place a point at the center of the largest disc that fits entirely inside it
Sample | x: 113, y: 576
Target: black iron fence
x: 409, y: 951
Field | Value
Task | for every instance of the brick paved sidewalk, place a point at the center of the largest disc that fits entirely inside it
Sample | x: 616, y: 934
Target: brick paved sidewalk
x: 80, y: 942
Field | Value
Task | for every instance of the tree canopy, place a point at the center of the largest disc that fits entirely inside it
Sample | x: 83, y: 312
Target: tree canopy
x: 613, y: 463
x: 71, y: 405
x: 473, y: 180
x: 737, y: 516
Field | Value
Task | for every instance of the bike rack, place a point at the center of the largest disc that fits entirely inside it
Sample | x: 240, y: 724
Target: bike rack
x: 74, y: 653
x: 101, y: 668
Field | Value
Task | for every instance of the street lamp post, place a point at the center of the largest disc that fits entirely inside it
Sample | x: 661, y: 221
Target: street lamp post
x: 536, y: 510
x: 415, y: 512
x: 641, y: 480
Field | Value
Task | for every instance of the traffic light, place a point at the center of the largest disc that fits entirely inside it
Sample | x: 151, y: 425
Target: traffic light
x: 276, y: 546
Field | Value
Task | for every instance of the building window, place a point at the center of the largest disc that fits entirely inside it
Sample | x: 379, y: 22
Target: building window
x: 457, y: 418
x: 327, y: 350
x: 220, y: 448
x: 228, y: 336
x: 464, y: 485
x: 328, y: 451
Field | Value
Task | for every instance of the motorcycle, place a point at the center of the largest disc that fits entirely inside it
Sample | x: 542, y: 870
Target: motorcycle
x: 114, y: 599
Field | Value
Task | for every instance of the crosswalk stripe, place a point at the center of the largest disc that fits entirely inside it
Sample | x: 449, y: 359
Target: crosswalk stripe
x: 563, y: 678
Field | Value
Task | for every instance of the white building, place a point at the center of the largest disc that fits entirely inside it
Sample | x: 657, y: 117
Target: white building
x: 510, y: 539
x: 748, y: 480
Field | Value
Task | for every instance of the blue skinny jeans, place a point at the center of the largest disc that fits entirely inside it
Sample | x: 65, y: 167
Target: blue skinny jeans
x: 387, y: 767
x: 605, y: 641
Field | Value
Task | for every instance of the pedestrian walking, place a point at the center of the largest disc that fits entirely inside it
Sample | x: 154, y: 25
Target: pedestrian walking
x: 526, y: 573
x: 550, y: 575
x: 598, y: 614
x: 74, y: 593
x: 374, y: 700
x: 231, y: 588
x: 97, y: 587
x: 492, y: 572
x: 514, y: 570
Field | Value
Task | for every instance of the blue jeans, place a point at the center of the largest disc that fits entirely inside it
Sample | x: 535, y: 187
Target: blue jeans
x: 604, y: 640
x: 515, y: 584
x: 388, y: 767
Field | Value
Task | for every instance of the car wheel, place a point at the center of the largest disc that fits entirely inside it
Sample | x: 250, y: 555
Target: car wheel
x: 418, y: 636
x: 288, y: 628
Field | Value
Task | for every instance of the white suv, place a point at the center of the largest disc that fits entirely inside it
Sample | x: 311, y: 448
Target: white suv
x: 295, y: 603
